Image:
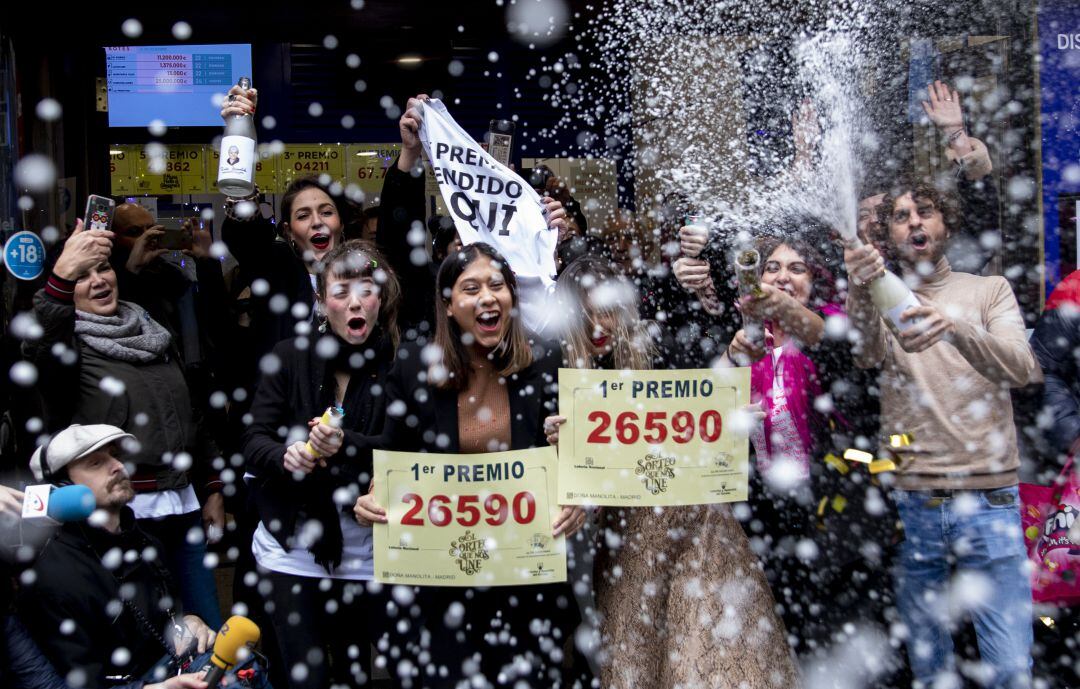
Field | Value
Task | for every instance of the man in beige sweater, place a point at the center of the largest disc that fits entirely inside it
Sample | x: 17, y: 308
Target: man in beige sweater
x: 945, y: 379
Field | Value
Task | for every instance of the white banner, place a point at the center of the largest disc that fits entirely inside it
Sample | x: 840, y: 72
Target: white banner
x: 490, y: 203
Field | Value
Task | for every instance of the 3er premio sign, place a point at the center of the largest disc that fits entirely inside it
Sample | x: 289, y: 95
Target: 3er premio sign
x: 652, y: 438
x: 468, y: 520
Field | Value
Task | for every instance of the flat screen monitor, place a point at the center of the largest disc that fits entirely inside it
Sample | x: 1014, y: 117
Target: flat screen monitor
x: 171, y: 83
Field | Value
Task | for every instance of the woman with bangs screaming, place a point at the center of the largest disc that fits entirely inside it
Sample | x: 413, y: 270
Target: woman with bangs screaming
x: 307, y: 473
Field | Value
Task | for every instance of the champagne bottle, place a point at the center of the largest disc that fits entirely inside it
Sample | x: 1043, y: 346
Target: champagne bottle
x: 891, y: 296
x: 333, y: 417
x: 747, y: 270
x: 236, y: 166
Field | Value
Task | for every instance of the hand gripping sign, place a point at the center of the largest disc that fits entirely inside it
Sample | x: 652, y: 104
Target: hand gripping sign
x: 652, y: 438
x: 468, y: 520
x: 490, y: 203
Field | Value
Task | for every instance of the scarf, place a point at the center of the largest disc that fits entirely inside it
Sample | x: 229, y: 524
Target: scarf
x: 128, y: 335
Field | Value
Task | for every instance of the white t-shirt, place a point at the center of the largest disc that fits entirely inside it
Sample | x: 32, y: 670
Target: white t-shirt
x: 357, y: 560
x: 164, y: 503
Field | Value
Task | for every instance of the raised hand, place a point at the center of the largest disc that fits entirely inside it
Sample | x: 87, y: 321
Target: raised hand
x: 943, y: 108
x: 239, y: 101
x: 692, y: 240
x: 864, y: 264
x: 556, y: 215
x: 570, y: 520
x: 83, y: 250
x: 742, y: 351
x: 145, y: 249
x: 409, y: 127
x: 691, y: 273
x: 551, y: 428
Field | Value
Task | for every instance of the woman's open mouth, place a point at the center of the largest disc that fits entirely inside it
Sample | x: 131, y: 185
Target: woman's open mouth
x: 102, y: 295
x: 600, y: 342
x: 357, y: 326
x: 488, y: 321
x: 320, y: 242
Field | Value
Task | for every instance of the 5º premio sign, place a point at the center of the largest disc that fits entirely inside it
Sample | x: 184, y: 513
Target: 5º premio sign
x: 468, y: 520
x: 652, y: 438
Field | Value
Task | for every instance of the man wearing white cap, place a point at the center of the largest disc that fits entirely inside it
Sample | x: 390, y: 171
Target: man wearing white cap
x: 100, y: 604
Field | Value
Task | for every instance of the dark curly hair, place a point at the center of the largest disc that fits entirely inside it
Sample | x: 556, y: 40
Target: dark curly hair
x: 944, y: 200
x: 822, y: 282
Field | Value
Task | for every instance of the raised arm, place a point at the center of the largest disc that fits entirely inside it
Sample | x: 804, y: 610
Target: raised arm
x: 865, y: 264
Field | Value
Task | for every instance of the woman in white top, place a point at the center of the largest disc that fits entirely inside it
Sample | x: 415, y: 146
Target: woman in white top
x: 308, y: 473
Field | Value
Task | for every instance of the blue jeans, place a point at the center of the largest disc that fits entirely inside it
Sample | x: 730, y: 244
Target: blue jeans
x: 979, y: 532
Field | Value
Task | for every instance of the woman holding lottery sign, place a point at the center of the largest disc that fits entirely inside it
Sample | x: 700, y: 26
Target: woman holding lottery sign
x: 308, y: 466
x: 481, y: 386
x: 680, y: 595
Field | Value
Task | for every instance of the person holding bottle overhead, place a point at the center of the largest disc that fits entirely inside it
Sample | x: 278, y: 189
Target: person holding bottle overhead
x: 665, y: 577
x: 281, y: 273
x: 482, y: 386
x: 308, y: 471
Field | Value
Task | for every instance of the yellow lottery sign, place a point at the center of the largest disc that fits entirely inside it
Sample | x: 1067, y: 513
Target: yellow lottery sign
x: 367, y: 165
x: 468, y: 520
x: 649, y: 438
x: 122, y: 169
x: 170, y: 169
x: 303, y: 160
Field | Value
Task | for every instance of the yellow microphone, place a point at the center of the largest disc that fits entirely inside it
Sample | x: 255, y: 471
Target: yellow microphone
x: 237, y: 632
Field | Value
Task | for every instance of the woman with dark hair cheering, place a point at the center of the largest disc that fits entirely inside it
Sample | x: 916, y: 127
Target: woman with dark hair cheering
x: 309, y: 472
x: 280, y: 262
x: 481, y: 387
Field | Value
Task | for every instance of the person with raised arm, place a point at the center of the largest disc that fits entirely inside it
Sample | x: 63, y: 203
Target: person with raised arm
x: 945, y: 380
x: 300, y: 463
x: 105, y: 360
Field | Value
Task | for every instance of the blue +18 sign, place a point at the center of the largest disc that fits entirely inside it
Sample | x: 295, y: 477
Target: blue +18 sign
x: 24, y: 255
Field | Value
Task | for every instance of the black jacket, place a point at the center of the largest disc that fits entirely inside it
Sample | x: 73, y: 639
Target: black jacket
x: 73, y: 583
x: 1056, y: 342
x: 423, y: 418
x: 72, y: 393
x: 263, y: 257
x: 400, y: 205
x: 22, y: 665
x: 300, y: 390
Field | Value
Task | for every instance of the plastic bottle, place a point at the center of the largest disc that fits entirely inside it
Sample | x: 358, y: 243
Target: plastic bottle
x: 334, y: 417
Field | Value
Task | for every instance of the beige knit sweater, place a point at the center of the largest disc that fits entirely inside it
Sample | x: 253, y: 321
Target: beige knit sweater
x: 953, y: 398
